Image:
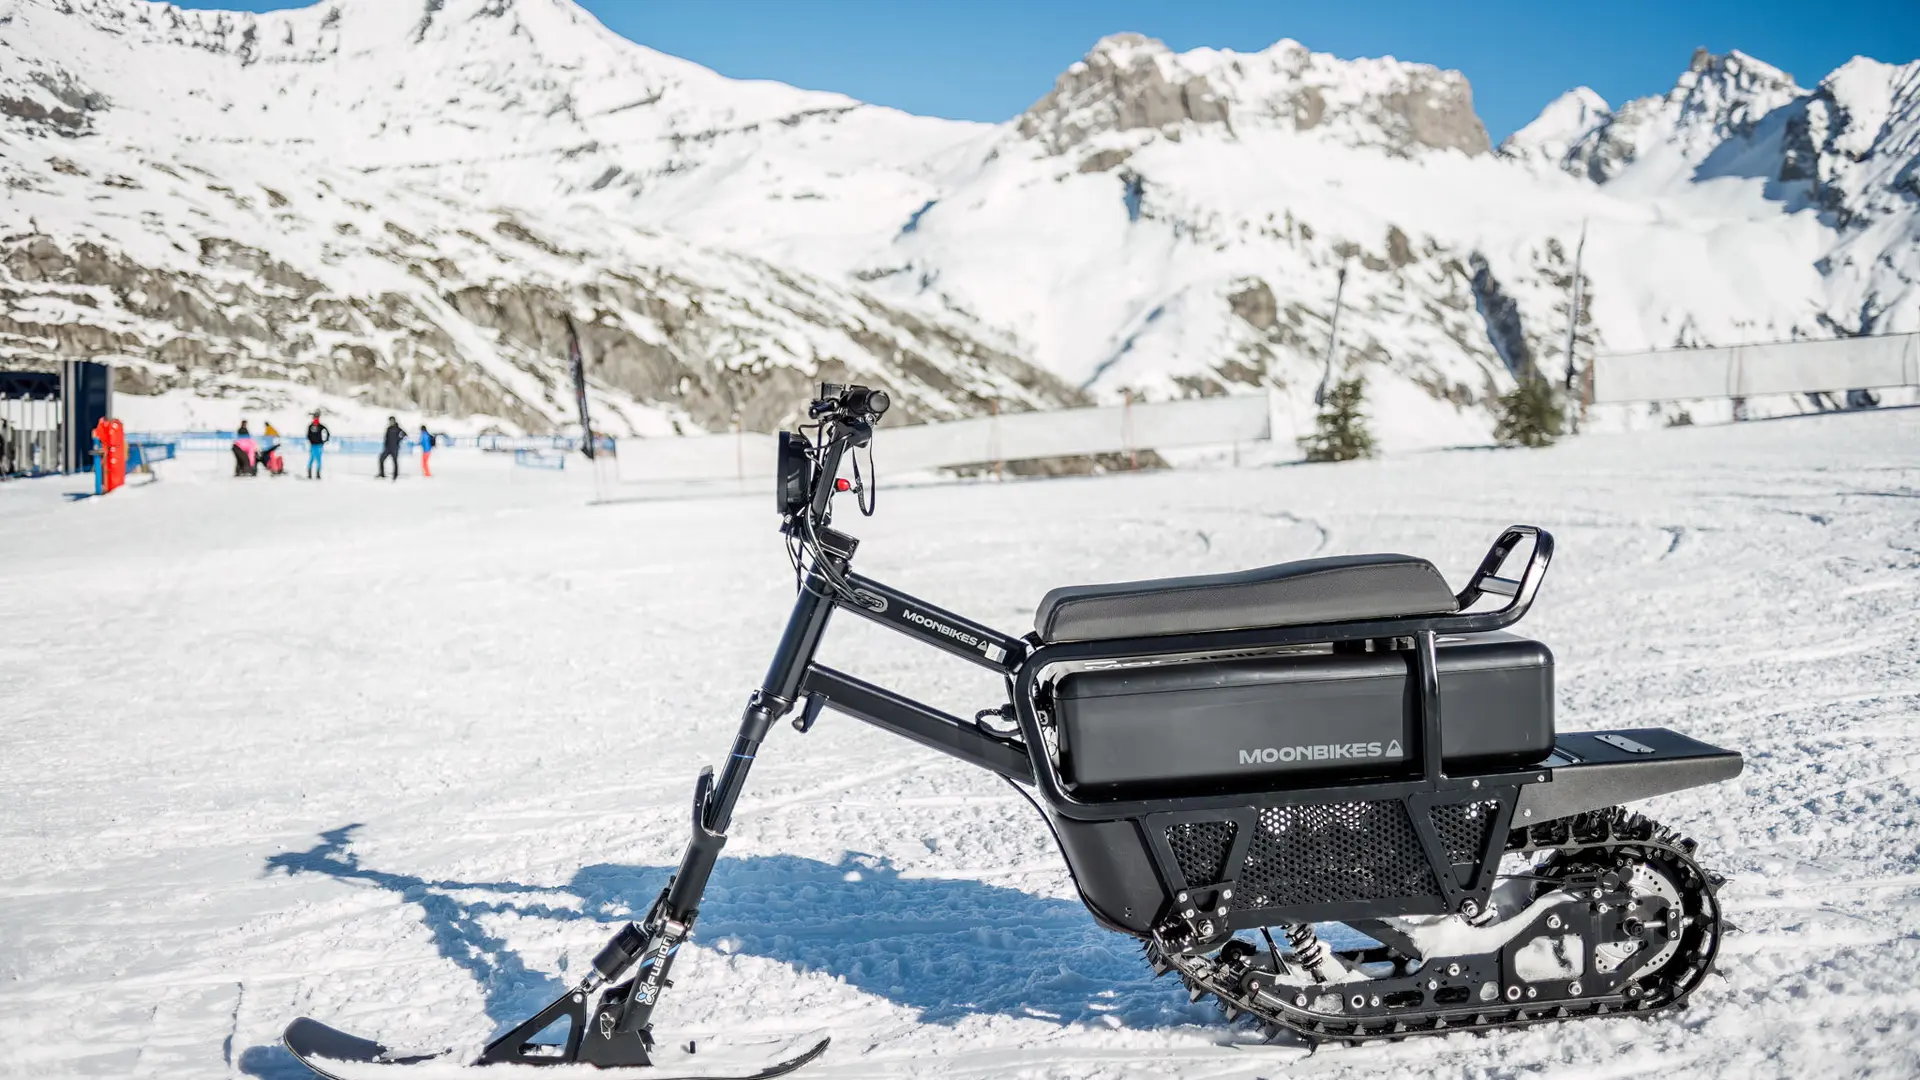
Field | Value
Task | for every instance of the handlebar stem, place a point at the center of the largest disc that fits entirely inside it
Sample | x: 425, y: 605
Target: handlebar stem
x: 841, y: 435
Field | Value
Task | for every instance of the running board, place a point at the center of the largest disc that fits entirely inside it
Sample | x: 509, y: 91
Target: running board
x: 1592, y: 770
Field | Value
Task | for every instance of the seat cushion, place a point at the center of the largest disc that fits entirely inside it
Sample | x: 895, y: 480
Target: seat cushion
x: 1339, y: 589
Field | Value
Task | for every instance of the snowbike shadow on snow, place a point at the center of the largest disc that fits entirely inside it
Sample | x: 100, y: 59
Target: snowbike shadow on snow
x: 915, y: 941
x: 1224, y: 757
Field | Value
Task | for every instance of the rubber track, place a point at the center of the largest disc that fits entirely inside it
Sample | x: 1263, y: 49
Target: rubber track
x: 1601, y: 830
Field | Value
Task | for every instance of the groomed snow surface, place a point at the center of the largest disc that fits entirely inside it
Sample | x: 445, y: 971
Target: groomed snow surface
x: 401, y: 755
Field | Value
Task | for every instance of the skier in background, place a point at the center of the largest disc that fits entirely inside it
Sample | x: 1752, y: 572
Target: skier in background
x: 269, y: 431
x: 426, y: 452
x: 390, y: 448
x: 317, y: 436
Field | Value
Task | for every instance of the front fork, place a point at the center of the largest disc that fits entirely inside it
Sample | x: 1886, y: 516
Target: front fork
x: 618, y: 1030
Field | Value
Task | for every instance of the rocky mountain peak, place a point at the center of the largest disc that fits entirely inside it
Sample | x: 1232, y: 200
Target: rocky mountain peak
x: 1127, y: 47
x: 1719, y: 97
x: 1722, y: 95
x: 1855, y: 141
x: 1131, y: 82
x: 1125, y: 82
x: 1561, y: 125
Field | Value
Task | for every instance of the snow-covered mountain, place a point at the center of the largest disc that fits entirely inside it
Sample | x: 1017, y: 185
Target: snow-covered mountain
x: 1845, y: 156
x: 398, y: 203
x: 1566, y: 121
x: 1718, y: 98
x: 395, y: 201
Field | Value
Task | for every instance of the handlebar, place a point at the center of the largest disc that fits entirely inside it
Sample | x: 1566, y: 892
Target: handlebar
x: 844, y: 403
x: 807, y: 475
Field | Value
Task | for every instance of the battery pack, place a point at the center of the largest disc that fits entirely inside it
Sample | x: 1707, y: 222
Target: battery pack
x: 1300, y: 718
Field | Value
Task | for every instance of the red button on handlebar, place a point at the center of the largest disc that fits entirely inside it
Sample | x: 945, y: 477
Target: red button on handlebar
x: 841, y: 484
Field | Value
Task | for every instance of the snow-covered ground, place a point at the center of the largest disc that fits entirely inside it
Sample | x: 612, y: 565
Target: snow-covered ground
x: 400, y: 755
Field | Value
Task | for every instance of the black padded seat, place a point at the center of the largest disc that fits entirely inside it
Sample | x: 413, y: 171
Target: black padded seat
x: 1338, y: 589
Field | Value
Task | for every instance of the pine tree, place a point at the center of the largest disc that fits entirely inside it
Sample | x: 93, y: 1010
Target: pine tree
x: 1340, y: 431
x: 1530, y: 414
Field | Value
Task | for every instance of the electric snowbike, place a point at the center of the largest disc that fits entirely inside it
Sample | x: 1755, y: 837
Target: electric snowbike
x: 1227, y: 761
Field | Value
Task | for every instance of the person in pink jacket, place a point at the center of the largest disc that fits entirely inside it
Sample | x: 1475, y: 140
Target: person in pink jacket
x: 244, y: 452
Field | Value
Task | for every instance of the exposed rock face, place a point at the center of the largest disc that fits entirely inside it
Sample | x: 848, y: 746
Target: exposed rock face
x: 1439, y: 115
x: 1124, y: 84
x: 1854, y: 141
x: 1129, y: 82
x: 1399, y: 249
x: 52, y: 103
x: 646, y: 333
x: 1505, y: 328
x: 1254, y: 303
x: 1399, y: 107
x: 1102, y: 160
x: 1716, y: 99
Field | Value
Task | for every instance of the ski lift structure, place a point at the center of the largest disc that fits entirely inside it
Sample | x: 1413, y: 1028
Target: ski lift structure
x: 1333, y: 340
x: 47, y: 417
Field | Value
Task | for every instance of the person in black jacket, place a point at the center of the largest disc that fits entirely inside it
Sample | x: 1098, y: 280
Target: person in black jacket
x: 317, y: 436
x: 391, y: 447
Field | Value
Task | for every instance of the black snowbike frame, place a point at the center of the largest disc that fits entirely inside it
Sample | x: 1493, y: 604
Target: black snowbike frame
x: 1117, y: 850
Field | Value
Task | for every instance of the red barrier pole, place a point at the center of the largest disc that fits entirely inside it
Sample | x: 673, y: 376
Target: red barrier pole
x: 110, y: 437
x: 116, y: 455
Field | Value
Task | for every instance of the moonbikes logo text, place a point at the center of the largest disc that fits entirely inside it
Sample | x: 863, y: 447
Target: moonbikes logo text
x: 941, y: 628
x: 993, y: 652
x: 1268, y: 755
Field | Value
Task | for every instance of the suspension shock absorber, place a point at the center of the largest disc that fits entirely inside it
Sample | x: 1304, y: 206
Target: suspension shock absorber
x: 1312, y: 953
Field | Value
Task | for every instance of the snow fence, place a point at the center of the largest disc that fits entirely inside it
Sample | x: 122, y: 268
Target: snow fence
x: 1217, y: 421
x: 1738, y: 371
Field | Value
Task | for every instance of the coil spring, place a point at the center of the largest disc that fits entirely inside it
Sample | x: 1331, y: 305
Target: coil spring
x: 1308, y: 950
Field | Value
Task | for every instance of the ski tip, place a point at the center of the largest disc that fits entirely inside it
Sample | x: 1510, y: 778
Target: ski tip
x: 311, y: 1042
x: 807, y: 1057
x: 307, y: 1038
x: 305, y: 1033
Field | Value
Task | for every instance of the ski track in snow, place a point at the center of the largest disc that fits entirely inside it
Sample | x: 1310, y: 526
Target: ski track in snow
x: 400, y: 756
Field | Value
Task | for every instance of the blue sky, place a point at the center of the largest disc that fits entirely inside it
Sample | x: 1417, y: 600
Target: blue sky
x: 989, y: 59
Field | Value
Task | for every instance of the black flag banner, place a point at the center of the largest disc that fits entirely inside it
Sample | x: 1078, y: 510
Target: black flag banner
x: 579, y: 387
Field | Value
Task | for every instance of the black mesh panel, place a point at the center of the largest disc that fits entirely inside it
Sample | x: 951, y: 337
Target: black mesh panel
x: 1333, y: 853
x: 1200, y: 847
x: 1463, y: 829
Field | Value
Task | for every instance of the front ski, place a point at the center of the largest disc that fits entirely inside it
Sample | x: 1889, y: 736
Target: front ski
x: 326, y: 1050
x: 336, y: 1055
